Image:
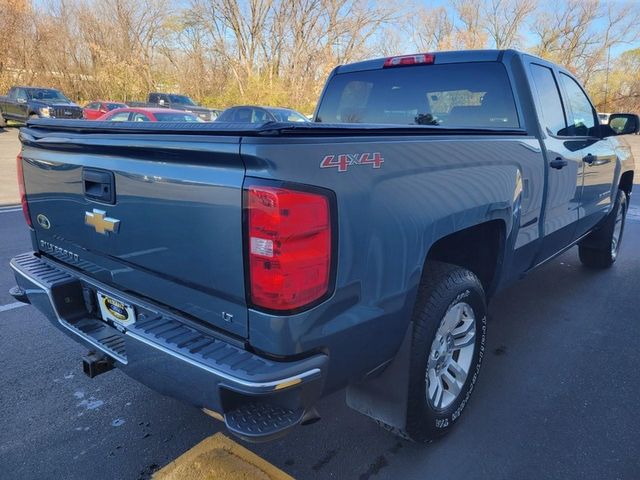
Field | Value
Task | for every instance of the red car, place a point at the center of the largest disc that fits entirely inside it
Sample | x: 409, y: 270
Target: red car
x: 148, y: 115
x: 95, y: 110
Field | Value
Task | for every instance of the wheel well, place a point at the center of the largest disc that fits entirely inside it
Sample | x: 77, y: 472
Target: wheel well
x: 626, y: 182
x: 476, y: 248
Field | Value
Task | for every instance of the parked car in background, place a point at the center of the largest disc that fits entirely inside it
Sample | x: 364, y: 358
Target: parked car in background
x: 149, y: 115
x: 256, y: 114
x: 95, y: 110
x: 179, y: 102
x: 23, y: 103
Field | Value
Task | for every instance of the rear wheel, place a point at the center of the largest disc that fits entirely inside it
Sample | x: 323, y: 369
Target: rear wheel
x: 447, y: 349
x: 610, y: 236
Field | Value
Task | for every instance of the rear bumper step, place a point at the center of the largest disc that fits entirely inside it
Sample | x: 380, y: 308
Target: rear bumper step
x: 174, y: 356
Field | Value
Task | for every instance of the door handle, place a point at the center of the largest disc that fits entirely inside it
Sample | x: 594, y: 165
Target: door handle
x: 558, y: 163
x: 99, y: 185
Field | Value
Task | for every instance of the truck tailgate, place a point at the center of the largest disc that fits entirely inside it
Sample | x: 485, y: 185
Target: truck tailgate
x: 176, y: 215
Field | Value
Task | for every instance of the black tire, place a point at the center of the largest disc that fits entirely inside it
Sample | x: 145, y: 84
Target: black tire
x: 3, y: 122
x: 443, y: 288
x: 602, y: 249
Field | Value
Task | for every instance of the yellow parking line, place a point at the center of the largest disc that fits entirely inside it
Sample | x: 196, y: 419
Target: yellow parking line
x: 220, y: 458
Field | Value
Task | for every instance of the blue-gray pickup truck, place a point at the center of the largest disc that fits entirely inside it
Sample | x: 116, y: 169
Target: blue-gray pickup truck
x: 24, y: 103
x: 250, y: 270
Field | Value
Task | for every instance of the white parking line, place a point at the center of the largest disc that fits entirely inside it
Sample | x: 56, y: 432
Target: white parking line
x: 11, y: 306
x: 11, y: 210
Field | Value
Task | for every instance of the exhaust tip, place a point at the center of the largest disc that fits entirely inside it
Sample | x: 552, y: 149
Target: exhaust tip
x: 310, y: 417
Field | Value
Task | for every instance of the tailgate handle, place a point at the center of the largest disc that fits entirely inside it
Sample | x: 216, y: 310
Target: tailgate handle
x: 99, y: 185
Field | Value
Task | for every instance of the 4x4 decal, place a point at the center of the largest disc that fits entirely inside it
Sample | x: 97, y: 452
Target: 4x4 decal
x: 345, y: 160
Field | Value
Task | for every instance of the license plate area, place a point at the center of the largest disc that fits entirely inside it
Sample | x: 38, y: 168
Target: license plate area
x: 115, y: 310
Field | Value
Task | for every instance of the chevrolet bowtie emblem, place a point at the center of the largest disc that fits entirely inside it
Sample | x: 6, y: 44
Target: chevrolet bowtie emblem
x: 102, y: 224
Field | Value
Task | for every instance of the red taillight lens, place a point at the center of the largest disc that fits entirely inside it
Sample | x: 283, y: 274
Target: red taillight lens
x: 23, y: 195
x: 418, y: 59
x: 289, y: 246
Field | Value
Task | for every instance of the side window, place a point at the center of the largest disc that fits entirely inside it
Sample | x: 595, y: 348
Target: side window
x: 12, y: 93
x: 259, y: 116
x: 21, y: 94
x: 582, y: 119
x: 120, y: 117
x: 546, y: 89
x: 243, y: 115
x: 139, y: 117
x: 93, y: 106
x: 153, y: 98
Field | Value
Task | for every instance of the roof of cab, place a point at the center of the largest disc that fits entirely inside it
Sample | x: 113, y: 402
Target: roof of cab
x: 440, y: 57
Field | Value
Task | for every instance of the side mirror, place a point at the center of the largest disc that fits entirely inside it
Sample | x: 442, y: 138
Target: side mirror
x: 22, y: 100
x: 622, y: 124
x: 161, y: 102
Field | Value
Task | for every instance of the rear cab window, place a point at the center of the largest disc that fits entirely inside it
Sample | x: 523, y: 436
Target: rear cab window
x: 450, y: 95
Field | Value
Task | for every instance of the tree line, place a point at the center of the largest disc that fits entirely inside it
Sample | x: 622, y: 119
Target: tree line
x: 279, y: 52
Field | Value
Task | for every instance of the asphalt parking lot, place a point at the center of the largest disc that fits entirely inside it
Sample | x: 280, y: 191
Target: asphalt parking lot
x: 557, y: 397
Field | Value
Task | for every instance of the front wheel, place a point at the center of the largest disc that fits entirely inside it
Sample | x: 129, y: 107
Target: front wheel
x: 609, y: 235
x: 450, y: 322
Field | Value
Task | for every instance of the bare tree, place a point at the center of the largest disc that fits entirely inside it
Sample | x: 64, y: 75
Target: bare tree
x: 470, y: 33
x: 432, y: 29
x: 504, y: 19
x: 574, y: 36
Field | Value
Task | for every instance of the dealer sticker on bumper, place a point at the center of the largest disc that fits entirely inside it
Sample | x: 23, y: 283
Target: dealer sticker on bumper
x: 116, y: 310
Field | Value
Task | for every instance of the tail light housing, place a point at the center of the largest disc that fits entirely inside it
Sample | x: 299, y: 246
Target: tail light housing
x: 289, y: 246
x: 21, y: 190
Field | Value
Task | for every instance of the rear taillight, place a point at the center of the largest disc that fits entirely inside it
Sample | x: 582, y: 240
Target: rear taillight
x: 405, y: 60
x: 21, y: 190
x: 289, y: 246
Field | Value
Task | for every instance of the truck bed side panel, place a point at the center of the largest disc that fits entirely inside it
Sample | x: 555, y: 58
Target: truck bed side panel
x: 388, y: 219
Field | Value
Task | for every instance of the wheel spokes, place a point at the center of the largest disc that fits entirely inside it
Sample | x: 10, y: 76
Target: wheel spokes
x: 457, y: 371
x: 436, y: 390
x: 453, y: 387
x: 464, y: 335
x: 451, y: 320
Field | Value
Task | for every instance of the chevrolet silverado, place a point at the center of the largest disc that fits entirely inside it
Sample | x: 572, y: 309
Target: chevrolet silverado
x: 251, y: 269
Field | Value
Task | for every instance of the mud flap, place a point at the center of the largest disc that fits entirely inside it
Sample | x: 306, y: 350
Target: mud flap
x: 384, y: 397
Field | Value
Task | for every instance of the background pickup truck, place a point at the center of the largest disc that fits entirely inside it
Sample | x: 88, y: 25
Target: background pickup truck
x: 23, y: 103
x: 251, y: 269
x: 178, y: 102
